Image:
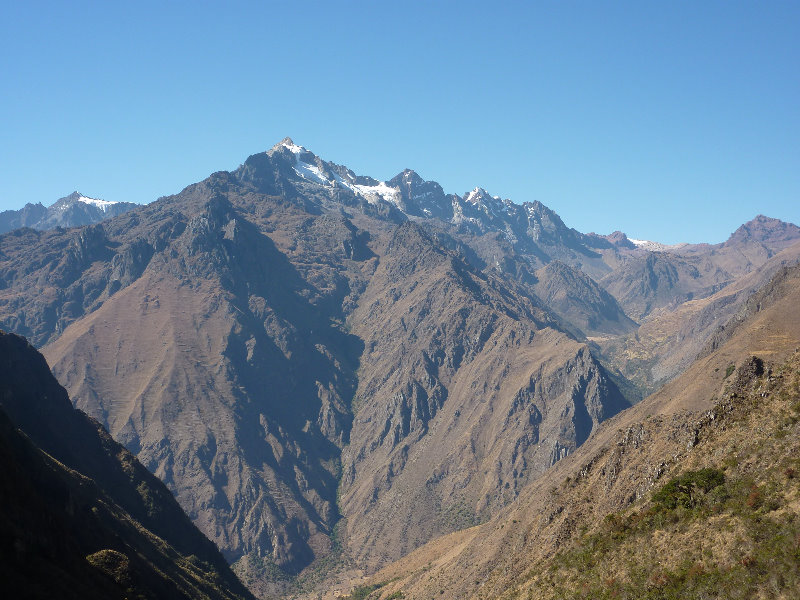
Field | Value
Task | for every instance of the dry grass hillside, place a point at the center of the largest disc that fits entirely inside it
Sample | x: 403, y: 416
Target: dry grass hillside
x: 590, y: 527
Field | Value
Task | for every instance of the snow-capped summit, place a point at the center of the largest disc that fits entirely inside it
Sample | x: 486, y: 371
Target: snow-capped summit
x: 288, y: 143
x: 654, y: 246
x: 69, y: 211
x: 78, y: 197
x: 479, y: 195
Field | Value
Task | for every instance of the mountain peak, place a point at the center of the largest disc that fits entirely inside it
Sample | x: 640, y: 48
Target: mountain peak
x: 477, y: 195
x: 762, y: 229
x: 289, y: 144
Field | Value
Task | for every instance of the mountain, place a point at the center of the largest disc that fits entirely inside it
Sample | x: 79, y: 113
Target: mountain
x: 70, y: 211
x: 668, y: 276
x: 467, y: 393
x: 26, y: 216
x: 691, y: 493
x: 81, y: 517
x: 325, y: 367
x: 580, y: 301
x: 666, y: 343
x: 246, y: 316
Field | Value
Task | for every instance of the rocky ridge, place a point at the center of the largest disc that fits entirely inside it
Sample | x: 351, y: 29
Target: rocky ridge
x: 291, y: 327
x: 70, y: 211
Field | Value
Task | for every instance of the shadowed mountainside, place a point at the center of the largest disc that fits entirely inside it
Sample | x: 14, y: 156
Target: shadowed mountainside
x: 81, y: 517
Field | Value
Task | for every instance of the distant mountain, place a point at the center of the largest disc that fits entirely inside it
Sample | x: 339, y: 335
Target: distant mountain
x: 319, y: 364
x: 81, y: 517
x: 70, y: 211
x: 27, y: 216
x: 765, y: 230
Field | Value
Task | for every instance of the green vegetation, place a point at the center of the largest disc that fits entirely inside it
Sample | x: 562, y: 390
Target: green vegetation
x: 730, y: 529
x: 618, y: 562
x: 687, y: 489
x: 363, y: 591
x: 457, y: 516
x: 252, y: 567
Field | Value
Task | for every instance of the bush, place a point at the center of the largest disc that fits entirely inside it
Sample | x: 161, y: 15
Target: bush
x: 685, y: 490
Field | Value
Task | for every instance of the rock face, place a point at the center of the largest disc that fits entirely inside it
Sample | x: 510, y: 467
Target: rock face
x: 466, y: 393
x: 580, y: 301
x: 70, y: 211
x: 291, y: 345
x: 81, y: 517
x: 598, y: 502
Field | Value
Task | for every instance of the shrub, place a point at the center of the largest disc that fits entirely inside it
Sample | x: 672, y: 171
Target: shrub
x: 683, y: 490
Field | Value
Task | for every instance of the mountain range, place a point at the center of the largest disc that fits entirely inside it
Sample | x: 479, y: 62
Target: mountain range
x: 330, y: 372
x: 70, y: 211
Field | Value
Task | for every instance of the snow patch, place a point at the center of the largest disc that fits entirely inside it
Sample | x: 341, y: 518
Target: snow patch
x: 294, y: 148
x: 310, y: 172
x: 101, y: 204
x: 372, y: 193
x: 654, y: 246
x: 382, y: 191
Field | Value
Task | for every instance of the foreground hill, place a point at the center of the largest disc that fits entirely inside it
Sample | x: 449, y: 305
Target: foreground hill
x: 691, y: 493
x: 81, y: 517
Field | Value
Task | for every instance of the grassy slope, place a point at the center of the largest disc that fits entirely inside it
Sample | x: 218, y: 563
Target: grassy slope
x: 738, y: 539
x: 616, y: 472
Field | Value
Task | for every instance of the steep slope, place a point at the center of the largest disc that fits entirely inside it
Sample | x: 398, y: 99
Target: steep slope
x: 227, y: 384
x: 667, y: 342
x: 731, y: 411
x: 466, y: 393
x: 581, y: 302
x: 81, y: 517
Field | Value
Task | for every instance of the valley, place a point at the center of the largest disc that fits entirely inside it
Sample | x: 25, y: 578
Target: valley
x: 338, y: 375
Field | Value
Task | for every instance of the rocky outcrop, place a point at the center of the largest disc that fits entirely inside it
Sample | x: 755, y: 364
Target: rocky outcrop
x: 465, y: 395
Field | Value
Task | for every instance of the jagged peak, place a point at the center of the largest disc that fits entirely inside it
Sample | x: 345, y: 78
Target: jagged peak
x: 406, y: 177
x: 289, y: 144
x: 479, y: 194
x: 76, y: 196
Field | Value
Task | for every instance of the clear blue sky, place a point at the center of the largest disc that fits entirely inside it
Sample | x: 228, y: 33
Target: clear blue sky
x: 672, y: 121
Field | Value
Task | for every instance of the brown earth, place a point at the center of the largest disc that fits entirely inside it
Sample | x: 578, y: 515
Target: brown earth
x: 679, y: 427
x: 285, y: 353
